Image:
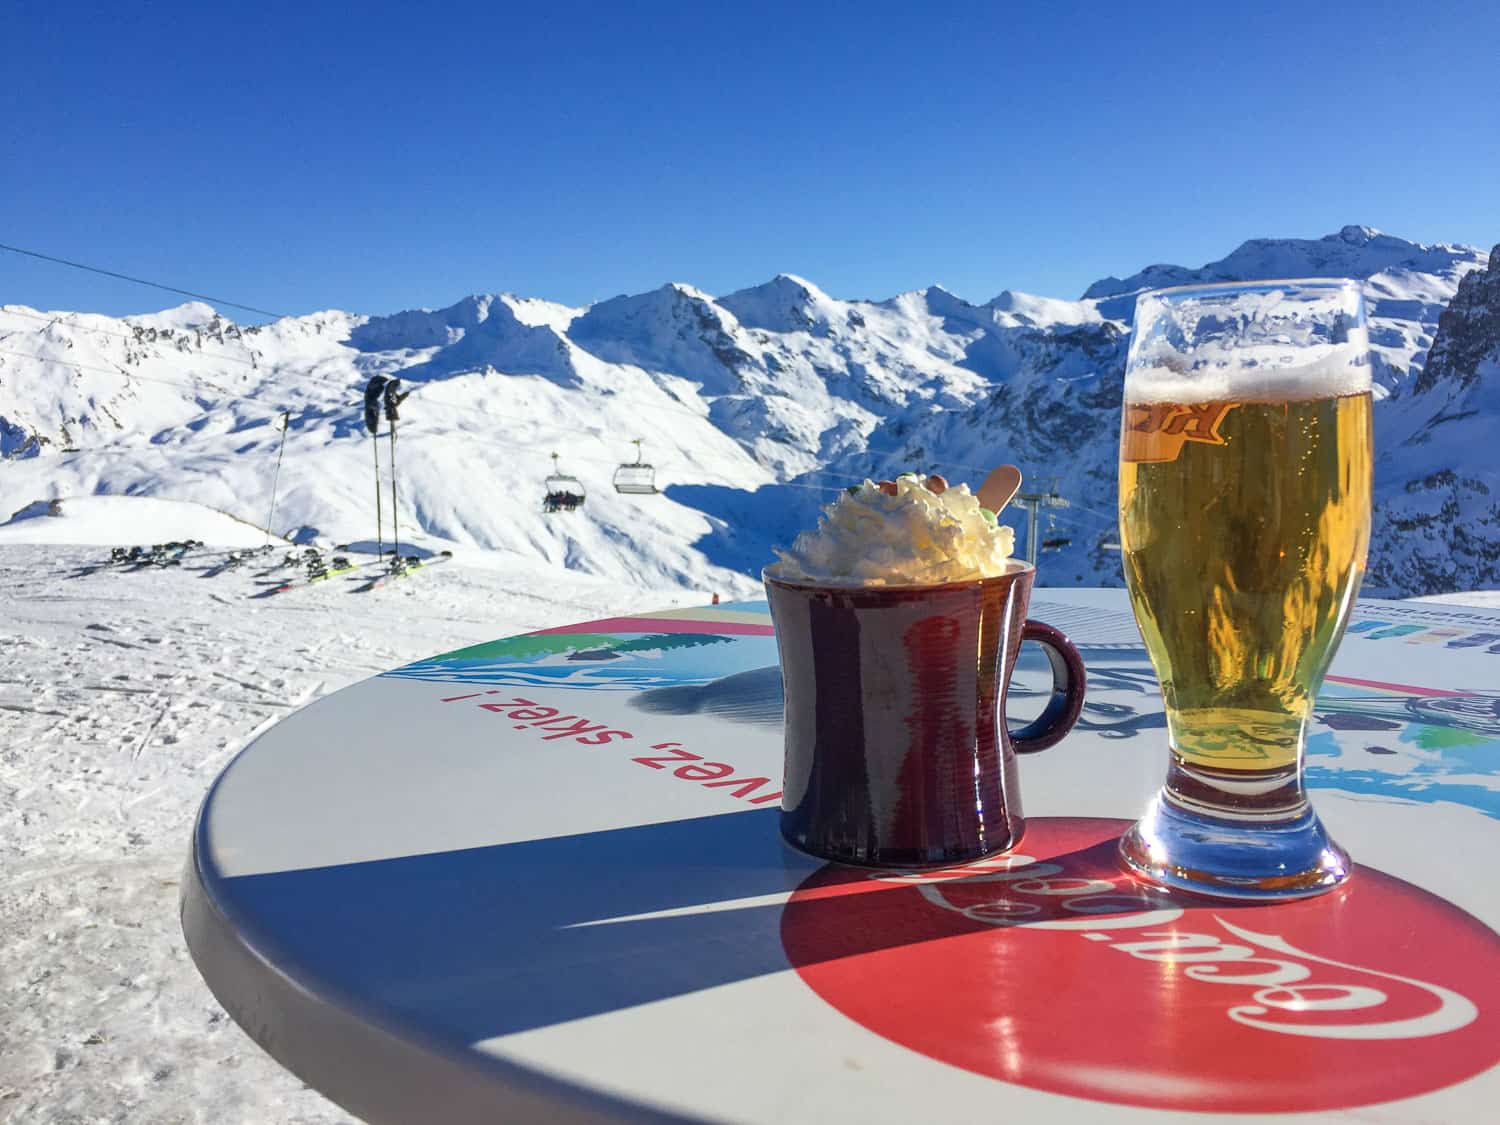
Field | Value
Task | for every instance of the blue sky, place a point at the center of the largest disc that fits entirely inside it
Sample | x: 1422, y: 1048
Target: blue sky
x: 384, y: 156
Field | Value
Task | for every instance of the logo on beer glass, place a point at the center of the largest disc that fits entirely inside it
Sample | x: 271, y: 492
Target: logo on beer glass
x: 1049, y: 968
x: 1156, y: 431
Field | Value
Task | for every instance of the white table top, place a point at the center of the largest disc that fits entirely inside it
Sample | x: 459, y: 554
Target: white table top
x: 517, y: 882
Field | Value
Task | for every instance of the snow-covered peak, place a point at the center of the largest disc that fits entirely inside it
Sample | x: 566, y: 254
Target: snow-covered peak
x: 416, y: 330
x: 188, y: 315
x: 538, y: 313
x: 1354, y: 251
x: 786, y: 303
x: 676, y: 329
x: 1028, y: 310
x: 934, y: 301
x: 421, y: 328
x: 944, y: 301
x: 634, y: 311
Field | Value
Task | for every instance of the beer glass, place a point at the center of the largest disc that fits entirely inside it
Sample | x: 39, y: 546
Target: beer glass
x: 1245, y: 466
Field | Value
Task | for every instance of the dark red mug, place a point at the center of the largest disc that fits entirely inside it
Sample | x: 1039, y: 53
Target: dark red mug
x: 896, y: 751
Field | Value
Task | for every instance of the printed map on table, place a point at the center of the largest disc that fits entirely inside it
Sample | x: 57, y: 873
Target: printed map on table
x: 1380, y: 735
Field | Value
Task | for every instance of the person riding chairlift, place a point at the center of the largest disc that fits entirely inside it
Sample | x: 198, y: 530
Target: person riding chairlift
x: 561, y: 501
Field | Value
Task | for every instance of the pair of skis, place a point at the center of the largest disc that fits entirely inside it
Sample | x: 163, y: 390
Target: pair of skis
x: 233, y: 560
x: 316, y: 569
x: 304, y: 558
x: 142, y: 558
x: 158, y: 554
x: 402, y: 568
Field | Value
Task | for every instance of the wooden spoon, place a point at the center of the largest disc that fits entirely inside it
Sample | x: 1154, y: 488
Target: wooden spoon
x: 999, y: 487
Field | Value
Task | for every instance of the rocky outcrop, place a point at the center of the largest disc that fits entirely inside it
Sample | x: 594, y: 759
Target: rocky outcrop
x: 1468, y: 331
x: 1437, y: 508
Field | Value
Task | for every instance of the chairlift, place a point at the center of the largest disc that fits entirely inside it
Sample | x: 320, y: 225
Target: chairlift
x: 1054, y: 542
x: 636, y: 478
x: 564, y: 493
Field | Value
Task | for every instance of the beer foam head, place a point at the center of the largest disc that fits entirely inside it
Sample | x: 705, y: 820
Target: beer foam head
x: 1269, y: 341
x: 915, y: 537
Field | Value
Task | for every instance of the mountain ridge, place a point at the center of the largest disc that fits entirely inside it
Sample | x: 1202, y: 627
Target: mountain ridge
x: 758, y: 405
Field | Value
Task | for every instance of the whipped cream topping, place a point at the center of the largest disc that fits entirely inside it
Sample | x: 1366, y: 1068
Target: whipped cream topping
x: 916, y: 537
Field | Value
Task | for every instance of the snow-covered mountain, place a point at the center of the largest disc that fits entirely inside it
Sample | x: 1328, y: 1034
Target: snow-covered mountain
x: 1406, y: 284
x: 1438, y: 453
x: 755, y: 407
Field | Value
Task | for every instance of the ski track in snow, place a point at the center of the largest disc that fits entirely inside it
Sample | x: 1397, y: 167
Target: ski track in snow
x: 122, y: 696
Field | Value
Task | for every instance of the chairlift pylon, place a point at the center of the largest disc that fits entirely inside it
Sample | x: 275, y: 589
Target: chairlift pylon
x: 564, y: 493
x: 636, y: 478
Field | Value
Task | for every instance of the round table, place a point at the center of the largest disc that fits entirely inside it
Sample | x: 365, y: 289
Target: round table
x: 541, y: 879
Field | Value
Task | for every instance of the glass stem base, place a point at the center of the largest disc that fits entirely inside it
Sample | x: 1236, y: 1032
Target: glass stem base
x: 1264, y: 845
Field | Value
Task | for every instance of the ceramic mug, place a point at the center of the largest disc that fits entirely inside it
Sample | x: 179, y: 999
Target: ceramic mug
x: 897, y: 754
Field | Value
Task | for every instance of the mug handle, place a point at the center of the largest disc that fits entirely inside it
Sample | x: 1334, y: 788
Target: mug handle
x: 1068, y: 680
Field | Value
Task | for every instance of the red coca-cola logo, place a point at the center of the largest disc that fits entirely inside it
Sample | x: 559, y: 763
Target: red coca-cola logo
x: 1050, y: 968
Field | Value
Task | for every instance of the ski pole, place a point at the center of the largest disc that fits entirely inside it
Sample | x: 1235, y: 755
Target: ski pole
x: 393, y: 398
x: 395, y: 529
x: 374, y: 392
x: 379, y: 519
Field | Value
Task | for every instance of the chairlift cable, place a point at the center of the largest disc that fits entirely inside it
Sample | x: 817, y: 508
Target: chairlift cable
x: 141, y: 281
x: 286, y: 424
x: 227, y: 396
x: 885, y: 453
x: 128, y: 336
x: 986, y: 385
x: 231, y: 397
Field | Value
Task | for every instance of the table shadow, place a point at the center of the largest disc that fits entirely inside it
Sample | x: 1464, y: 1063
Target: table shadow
x: 489, y: 941
x: 755, y: 696
x: 745, y: 697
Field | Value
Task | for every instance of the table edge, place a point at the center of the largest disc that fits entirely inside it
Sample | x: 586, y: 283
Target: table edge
x: 383, y: 1074
x: 380, y: 1074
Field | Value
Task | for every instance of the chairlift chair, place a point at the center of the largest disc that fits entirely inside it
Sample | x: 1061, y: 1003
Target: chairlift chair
x: 636, y: 478
x: 1054, y: 541
x: 564, y: 493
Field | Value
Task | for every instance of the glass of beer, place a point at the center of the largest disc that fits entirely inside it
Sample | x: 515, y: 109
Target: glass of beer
x: 1245, y: 466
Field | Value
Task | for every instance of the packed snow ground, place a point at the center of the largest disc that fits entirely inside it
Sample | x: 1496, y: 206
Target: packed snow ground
x: 122, y: 695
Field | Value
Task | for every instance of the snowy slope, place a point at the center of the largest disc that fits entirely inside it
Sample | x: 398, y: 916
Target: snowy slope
x: 755, y: 407
x: 122, y: 696
x: 193, y: 415
x: 1437, y: 469
x: 110, y: 520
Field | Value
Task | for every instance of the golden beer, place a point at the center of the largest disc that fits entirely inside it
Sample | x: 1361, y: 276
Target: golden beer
x: 1244, y: 527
